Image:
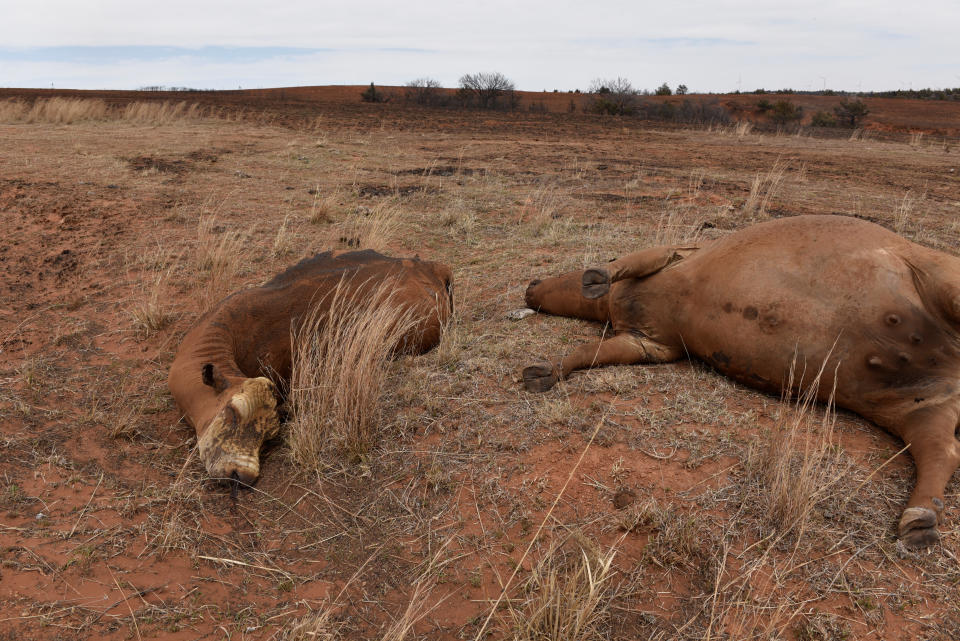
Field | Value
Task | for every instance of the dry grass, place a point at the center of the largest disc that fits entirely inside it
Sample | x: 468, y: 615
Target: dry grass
x: 905, y: 209
x: 219, y: 255
x: 315, y: 626
x: 283, y: 242
x: 324, y: 205
x: 160, y: 113
x: 764, y: 189
x: 340, y: 364
x: 798, y: 462
x: 370, y: 228
x: 66, y: 111
x: 151, y: 313
x: 566, y: 598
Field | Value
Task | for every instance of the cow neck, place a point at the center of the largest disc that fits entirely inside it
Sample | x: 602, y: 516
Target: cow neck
x: 216, y: 344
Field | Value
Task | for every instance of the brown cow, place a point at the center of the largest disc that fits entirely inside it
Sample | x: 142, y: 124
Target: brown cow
x: 219, y: 377
x: 880, y: 311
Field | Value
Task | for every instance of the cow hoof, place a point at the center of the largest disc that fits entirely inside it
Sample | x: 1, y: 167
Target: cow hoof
x: 539, y: 378
x: 918, y: 527
x: 596, y: 283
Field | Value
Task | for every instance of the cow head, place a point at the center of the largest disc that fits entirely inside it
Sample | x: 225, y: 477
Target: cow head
x: 246, y: 417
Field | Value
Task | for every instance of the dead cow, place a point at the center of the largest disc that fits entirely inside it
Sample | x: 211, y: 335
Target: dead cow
x: 219, y: 377
x: 882, y: 312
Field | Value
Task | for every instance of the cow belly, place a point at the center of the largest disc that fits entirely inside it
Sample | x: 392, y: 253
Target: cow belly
x: 857, y: 314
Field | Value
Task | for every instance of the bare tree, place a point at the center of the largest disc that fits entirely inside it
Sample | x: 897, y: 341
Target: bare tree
x: 612, y: 96
x: 487, y: 90
x: 424, y: 91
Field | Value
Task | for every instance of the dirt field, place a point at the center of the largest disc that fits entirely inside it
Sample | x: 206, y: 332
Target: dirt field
x: 638, y: 499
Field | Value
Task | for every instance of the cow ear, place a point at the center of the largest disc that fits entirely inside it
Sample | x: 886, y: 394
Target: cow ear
x: 213, y: 378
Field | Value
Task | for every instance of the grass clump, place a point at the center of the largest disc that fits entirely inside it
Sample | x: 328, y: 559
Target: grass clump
x: 566, y: 598
x: 367, y: 228
x: 340, y: 364
x: 219, y: 255
x: 797, y: 463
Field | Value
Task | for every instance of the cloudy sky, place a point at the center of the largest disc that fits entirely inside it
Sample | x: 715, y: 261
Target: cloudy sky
x: 718, y: 45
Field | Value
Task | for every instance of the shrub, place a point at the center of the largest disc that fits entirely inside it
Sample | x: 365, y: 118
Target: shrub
x: 784, y: 112
x: 764, y: 106
x: 424, y: 91
x: 823, y: 119
x: 689, y: 112
x: 664, y: 90
x: 851, y: 112
x: 370, y: 94
x: 613, y: 97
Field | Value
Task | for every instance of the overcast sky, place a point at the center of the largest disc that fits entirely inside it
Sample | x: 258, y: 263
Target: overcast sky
x: 718, y: 45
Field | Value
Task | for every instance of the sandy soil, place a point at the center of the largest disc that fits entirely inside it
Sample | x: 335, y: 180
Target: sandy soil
x: 109, y: 529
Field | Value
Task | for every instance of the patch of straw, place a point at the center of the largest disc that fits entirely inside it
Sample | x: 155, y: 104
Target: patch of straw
x: 340, y: 364
x: 565, y: 599
x: 367, y: 228
x: 764, y: 188
x: 797, y: 463
x: 218, y: 256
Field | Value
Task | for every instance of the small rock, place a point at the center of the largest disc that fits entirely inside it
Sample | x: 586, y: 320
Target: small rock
x: 41, y: 516
x: 520, y: 314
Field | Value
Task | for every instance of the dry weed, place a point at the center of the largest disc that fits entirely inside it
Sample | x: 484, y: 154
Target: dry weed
x: 367, y: 228
x: 219, y: 255
x: 797, y: 463
x: 150, y: 314
x: 324, y: 206
x: 66, y: 110
x: 905, y: 209
x: 340, y: 362
x: 316, y: 626
x: 565, y: 599
x: 742, y: 128
x: 160, y: 113
x: 541, y: 209
x: 764, y: 189
x: 283, y: 242
x: 178, y: 527
x: 673, y: 228
x: 12, y: 111
x: 417, y: 608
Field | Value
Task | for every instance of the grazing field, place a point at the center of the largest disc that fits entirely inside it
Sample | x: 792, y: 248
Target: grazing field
x: 650, y: 502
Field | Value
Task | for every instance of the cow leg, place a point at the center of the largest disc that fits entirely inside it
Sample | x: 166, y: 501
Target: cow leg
x: 622, y: 349
x: 936, y: 453
x: 596, y: 281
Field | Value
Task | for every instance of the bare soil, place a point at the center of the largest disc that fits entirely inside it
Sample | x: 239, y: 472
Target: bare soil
x: 108, y: 528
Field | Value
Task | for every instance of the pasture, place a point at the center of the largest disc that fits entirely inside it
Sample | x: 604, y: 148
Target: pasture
x: 635, y: 502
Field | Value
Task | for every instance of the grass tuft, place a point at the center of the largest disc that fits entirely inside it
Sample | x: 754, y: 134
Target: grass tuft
x: 367, y: 228
x: 219, y: 255
x: 566, y: 598
x: 340, y: 363
x: 763, y: 189
x: 797, y: 463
